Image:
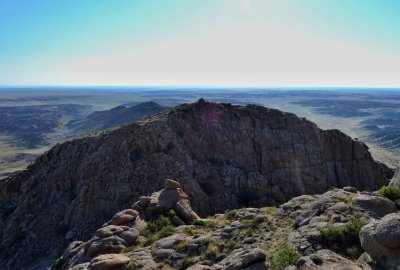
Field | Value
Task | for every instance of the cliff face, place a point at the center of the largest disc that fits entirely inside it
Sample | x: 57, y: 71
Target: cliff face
x: 224, y: 156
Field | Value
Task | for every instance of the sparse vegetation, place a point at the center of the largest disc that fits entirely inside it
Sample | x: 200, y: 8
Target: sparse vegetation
x: 166, y: 231
x: 271, y: 210
x: 171, y: 213
x: 230, y: 214
x: 216, y: 250
x: 207, y: 223
x: 390, y: 192
x: 354, y: 251
x: 332, y: 233
x: 346, y: 199
x: 185, y: 263
x: 156, y: 229
x: 182, y: 246
x: 285, y: 256
x: 190, y: 231
x: 344, y: 239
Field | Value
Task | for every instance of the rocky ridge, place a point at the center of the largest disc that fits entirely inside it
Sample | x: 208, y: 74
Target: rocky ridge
x: 293, y: 236
x: 224, y: 156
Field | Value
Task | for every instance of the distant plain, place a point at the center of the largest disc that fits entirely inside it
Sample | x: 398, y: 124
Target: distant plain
x: 34, y: 119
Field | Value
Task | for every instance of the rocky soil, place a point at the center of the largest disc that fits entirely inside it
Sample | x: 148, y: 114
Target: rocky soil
x: 224, y: 156
x: 158, y: 233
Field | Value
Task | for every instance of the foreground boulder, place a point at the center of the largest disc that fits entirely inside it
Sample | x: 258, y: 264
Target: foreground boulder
x: 381, y: 240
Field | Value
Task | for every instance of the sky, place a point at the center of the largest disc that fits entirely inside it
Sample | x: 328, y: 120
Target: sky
x: 330, y: 43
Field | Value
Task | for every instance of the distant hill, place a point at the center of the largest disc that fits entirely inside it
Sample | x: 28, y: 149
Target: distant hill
x: 117, y: 116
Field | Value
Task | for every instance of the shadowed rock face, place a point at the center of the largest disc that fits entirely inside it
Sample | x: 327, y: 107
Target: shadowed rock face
x: 224, y: 156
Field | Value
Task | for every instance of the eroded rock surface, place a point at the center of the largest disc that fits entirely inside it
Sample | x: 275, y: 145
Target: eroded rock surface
x: 381, y: 240
x: 224, y: 157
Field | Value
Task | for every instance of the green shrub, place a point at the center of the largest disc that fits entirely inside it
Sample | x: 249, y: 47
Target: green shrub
x: 271, y: 210
x: 354, y: 251
x: 207, y: 241
x: 285, y: 256
x: 171, y: 213
x: 207, y: 223
x: 230, y: 214
x: 182, y: 246
x: 156, y: 229
x: 190, y: 231
x: 344, y: 240
x: 346, y: 198
x: 185, y: 263
x: 355, y: 224
x: 166, y: 231
x: 332, y: 233
x: 154, y: 226
x: 211, y: 252
x: 391, y: 192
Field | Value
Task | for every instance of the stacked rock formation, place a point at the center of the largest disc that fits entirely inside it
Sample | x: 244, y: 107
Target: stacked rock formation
x: 224, y: 156
x: 122, y: 231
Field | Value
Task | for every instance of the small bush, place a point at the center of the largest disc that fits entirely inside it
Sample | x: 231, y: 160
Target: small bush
x: 171, y: 213
x: 207, y: 241
x: 182, y: 246
x: 166, y: 231
x: 207, y: 223
x: 332, y: 233
x: 354, y: 251
x: 190, y: 231
x: 391, y: 192
x: 212, y: 252
x: 154, y: 226
x: 185, y: 263
x: 344, y: 240
x: 129, y: 249
x: 271, y: 210
x: 230, y: 214
x: 284, y: 257
x: 355, y: 224
x: 345, y: 199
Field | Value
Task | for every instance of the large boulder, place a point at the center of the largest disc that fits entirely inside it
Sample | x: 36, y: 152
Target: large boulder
x: 242, y: 258
x: 184, y: 211
x: 108, y: 262
x: 326, y: 259
x: 380, y: 239
x: 378, y: 206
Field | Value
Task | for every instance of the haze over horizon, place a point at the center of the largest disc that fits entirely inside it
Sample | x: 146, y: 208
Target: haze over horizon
x: 200, y: 43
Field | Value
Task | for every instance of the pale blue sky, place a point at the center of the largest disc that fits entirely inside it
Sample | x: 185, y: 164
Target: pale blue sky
x: 207, y: 42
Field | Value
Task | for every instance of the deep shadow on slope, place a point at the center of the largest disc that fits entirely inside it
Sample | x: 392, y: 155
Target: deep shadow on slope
x: 224, y: 156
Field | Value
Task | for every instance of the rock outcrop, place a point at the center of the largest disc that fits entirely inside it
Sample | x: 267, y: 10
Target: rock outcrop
x: 122, y: 231
x: 224, y: 156
x: 381, y: 240
x: 309, y: 232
